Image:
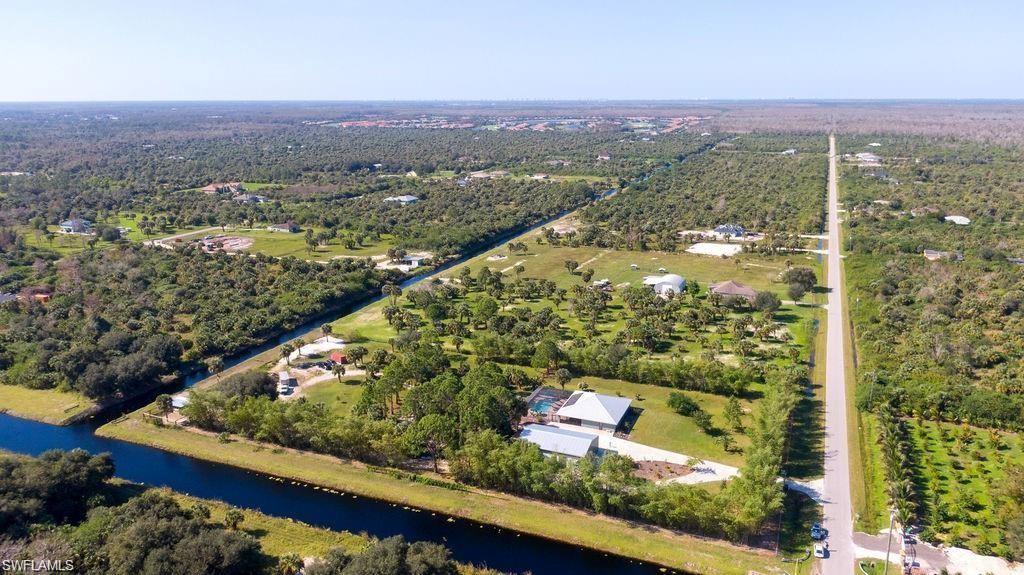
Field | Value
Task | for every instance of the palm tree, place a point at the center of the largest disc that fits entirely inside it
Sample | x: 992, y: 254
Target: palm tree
x: 338, y: 370
x: 286, y: 352
x: 215, y: 365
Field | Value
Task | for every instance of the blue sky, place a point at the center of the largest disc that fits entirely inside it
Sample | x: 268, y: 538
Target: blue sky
x: 321, y: 50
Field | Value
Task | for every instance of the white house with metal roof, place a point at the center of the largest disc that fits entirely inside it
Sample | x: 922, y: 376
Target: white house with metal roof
x: 405, y: 200
x: 557, y: 441
x: 593, y: 410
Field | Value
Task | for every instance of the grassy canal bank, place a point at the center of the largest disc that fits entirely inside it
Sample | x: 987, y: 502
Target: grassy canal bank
x: 560, y: 523
x: 45, y: 405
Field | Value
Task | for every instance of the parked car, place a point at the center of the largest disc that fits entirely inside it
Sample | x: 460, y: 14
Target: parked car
x: 820, y: 551
x: 818, y: 532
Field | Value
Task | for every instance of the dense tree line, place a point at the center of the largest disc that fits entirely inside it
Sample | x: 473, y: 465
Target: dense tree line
x: 941, y: 338
x: 121, y: 318
x: 440, y: 407
x: 937, y: 338
x: 760, y: 191
x: 19, y: 261
x: 61, y: 507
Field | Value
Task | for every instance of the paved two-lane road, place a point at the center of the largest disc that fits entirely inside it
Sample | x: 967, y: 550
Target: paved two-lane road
x: 838, y: 510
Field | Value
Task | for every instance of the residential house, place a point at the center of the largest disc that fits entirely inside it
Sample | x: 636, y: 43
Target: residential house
x: 557, y: 441
x: 39, y: 293
x: 404, y: 200
x: 730, y: 230
x: 249, y: 199
x: 933, y: 255
x: 789, y: 152
x: 666, y: 284
x: 593, y: 410
x: 868, y: 160
x: 76, y: 226
x: 733, y: 290
x: 226, y: 187
x: 958, y: 220
x: 414, y: 261
x: 7, y: 298
x: 289, y: 227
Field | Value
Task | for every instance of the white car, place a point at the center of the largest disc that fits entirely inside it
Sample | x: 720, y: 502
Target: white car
x: 820, y: 551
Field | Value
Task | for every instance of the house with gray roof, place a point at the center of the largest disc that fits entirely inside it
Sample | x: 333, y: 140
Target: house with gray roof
x: 593, y: 410
x: 730, y: 230
x: 75, y: 226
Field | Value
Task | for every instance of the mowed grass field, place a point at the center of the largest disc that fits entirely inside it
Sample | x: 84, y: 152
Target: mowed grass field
x: 281, y: 244
x: 338, y: 396
x: 66, y: 244
x: 46, y: 405
x: 548, y: 262
x: 660, y: 426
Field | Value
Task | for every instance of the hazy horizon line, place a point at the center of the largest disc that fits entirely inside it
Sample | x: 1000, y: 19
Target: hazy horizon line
x: 526, y: 101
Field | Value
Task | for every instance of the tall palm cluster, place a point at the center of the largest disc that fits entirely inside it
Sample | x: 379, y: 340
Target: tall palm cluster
x: 893, y: 438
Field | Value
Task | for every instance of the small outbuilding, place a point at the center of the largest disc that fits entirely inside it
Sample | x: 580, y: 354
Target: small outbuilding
x: 666, y: 284
x: 958, y: 220
x: 557, y: 441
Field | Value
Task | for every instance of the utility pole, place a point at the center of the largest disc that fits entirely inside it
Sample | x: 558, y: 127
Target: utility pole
x: 888, y: 542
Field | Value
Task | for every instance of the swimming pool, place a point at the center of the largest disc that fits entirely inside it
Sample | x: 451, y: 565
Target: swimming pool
x: 542, y: 404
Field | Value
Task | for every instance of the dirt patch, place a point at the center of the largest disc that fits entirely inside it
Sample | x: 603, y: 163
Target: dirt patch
x: 661, y: 470
x: 227, y: 244
x: 711, y: 249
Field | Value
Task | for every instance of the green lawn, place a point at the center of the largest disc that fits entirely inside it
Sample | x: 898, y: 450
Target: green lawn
x: 279, y: 536
x: 339, y: 397
x: 280, y: 244
x: 47, y: 405
x: 66, y: 244
x: 556, y: 522
x: 659, y: 426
